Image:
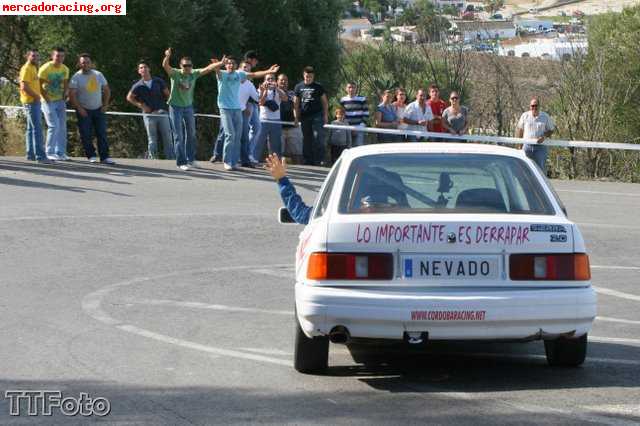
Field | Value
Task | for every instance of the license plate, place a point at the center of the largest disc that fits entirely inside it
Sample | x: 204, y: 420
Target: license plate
x: 436, y: 267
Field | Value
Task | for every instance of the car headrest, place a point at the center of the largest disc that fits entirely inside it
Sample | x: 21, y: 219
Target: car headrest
x: 481, y: 198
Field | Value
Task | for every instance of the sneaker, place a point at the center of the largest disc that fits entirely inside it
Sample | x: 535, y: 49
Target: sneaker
x: 193, y: 165
x: 253, y: 160
x: 184, y: 167
x: 214, y: 159
x: 64, y: 157
x: 229, y: 167
x: 53, y: 157
x: 248, y: 165
x: 108, y: 160
x: 93, y: 159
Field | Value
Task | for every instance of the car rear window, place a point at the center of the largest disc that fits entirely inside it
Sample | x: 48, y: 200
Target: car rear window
x: 442, y: 183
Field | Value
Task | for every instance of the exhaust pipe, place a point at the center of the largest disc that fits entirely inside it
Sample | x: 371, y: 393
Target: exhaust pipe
x: 339, y: 334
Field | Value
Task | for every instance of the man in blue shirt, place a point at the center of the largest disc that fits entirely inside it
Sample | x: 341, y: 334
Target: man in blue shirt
x: 150, y: 94
x: 298, y: 210
x: 229, y: 81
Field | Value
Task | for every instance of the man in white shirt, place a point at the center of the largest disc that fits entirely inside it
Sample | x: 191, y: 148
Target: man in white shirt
x: 534, y: 124
x: 418, y: 115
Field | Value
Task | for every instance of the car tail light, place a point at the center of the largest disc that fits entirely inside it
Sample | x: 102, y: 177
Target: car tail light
x: 350, y: 266
x: 549, y: 267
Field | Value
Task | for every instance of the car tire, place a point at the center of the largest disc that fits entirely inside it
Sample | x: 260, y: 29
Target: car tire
x: 311, y: 355
x: 565, y: 352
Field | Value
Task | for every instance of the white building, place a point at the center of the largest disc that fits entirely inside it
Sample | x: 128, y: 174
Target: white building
x: 546, y: 48
x: 405, y: 34
x: 470, y: 31
x: 352, y: 28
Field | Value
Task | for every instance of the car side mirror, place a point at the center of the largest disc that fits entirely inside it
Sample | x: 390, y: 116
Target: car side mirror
x: 284, y: 216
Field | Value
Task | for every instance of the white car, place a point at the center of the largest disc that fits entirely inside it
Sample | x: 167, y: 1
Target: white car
x: 440, y: 241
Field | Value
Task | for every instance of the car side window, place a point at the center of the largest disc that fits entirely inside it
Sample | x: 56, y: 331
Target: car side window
x: 323, y: 201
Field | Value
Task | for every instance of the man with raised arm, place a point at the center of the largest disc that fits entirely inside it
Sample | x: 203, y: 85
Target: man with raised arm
x: 229, y: 81
x: 181, y: 113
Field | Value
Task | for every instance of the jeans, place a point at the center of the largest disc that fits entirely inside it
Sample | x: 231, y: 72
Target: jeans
x: 232, y: 124
x: 33, y: 138
x: 219, y: 143
x: 95, y: 120
x: 159, y: 128
x: 254, y: 126
x: 244, y: 139
x: 292, y: 141
x: 357, y: 138
x: 274, y: 132
x: 183, y: 125
x: 55, y: 115
x: 538, y: 153
x: 313, y: 139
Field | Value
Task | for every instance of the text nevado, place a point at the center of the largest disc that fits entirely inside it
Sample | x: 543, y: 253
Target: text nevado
x: 438, y: 233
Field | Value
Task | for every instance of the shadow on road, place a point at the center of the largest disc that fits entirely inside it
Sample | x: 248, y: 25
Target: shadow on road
x: 485, y: 367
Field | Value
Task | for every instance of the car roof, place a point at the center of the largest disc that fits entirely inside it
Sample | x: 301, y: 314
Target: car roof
x: 431, y: 148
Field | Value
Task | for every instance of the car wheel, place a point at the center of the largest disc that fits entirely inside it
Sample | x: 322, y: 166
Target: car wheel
x: 565, y: 352
x: 311, y: 355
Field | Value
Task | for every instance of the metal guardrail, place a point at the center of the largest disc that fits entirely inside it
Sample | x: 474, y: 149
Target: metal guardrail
x: 416, y: 133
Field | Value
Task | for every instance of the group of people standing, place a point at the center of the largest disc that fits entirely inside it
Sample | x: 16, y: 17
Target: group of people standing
x: 46, y: 89
x: 253, y: 121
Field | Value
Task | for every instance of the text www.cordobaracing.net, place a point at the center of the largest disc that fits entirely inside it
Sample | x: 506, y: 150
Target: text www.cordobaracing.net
x: 63, y: 7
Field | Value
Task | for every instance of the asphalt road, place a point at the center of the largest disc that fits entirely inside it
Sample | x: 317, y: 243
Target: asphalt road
x: 171, y: 295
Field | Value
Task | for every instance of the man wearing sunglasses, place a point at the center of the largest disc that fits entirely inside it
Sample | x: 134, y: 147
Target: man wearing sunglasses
x: 535, y: 124
x: 181, y: 113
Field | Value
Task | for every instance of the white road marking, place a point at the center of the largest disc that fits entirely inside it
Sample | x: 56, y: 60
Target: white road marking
x: 92, y: 305
x: 619, y: 320
x: 203, y: 348
x: 205, y: 306
x: 622, y: 268
x: 617, y: 194
x: 264, y: 351
x: 615, y: 293
x: 288, y: 273
x: 617, y: 409
x: 619, y: 340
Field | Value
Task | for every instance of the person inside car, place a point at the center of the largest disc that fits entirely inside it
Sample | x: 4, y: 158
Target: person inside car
x: 380, y: 189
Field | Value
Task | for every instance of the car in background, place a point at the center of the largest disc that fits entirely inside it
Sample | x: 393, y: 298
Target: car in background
x: 441, y: 241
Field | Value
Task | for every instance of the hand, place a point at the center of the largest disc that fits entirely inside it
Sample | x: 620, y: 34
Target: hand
x: 296, y: 122
x: 541, y: 139
x: 146, y: 109
x: 224, y: 59
x: 104, y: 108
x: 277, y: 167
x: 82, y: 112
x: 168, y: 52
x: 274, y: 69
x: 36, y: 98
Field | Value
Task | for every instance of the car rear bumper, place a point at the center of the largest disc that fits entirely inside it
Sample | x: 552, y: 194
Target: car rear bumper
x: 446, y: 315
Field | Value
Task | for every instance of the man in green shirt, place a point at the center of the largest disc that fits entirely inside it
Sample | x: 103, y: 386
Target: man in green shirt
x: 183, y: 84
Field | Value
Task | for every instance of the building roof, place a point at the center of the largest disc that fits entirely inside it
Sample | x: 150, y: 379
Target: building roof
x: 467, y: 26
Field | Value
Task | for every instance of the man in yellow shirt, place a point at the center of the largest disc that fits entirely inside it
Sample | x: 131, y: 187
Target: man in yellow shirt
x: 54, y: 87
x: 30, y: 98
